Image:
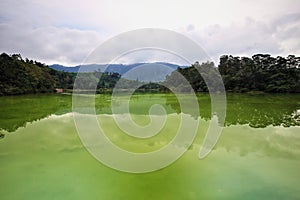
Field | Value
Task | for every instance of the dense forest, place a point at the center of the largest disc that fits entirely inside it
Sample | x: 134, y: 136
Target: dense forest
x: 19, y: 76
x: 261, y: 72
x: 240, y: 74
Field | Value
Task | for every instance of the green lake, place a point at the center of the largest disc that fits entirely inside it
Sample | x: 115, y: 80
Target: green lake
x: 256, y: 157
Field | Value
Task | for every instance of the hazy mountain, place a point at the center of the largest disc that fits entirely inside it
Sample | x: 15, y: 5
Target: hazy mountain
x: 142, y: 71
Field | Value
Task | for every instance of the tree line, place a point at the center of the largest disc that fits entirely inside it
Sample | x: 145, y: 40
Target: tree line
x: 261, y: 72
x: 19, y: 76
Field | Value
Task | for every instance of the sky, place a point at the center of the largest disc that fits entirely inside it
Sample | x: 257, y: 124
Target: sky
x: 66, y: 32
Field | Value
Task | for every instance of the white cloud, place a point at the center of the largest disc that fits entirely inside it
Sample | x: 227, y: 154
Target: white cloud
x: 66, y: 31
x: 49, y: 44
x: 249, y: 36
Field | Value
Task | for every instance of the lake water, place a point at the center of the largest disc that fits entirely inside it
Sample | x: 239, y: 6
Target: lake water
x: 256, y: 157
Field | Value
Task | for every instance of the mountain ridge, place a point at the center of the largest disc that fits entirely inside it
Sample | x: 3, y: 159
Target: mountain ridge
x: 117, y: 68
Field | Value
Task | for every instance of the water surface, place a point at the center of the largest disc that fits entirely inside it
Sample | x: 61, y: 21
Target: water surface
x: 256, y: 157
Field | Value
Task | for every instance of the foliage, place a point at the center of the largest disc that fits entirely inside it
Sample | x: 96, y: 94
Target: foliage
x: 242, y: 74
x: 22, y: 77
x: 18, y: 76
x: 197, y: 76
x: 261, y: 73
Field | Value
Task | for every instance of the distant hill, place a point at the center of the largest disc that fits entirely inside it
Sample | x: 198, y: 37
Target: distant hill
x: 158, y: 74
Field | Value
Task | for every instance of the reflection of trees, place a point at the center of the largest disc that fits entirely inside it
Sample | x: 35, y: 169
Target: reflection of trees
x: 255, y: 110
x: 16, y: 111
x: 263, y: 110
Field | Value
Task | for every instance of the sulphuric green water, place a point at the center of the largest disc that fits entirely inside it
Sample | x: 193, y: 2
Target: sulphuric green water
x: 256, y: 157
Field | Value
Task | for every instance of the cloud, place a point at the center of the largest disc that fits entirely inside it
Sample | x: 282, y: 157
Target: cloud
x: 248, y: 36
x: 47, y: 31
x: 287, y: 33
x: 49, y: 44
x: 67, y: 31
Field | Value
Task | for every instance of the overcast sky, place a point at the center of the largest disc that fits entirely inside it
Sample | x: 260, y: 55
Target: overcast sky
x: 65, y: 31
